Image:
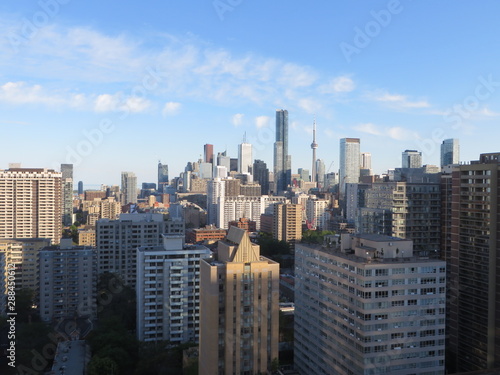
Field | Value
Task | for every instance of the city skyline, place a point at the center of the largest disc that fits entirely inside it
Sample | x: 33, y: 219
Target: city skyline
x: 94, y: 84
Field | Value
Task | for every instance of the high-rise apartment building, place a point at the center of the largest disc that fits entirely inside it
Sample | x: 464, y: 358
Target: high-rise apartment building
x: 411, y: 159
x: 474, y: 296
x: 282, y: 160
x: 68, y: 282
x: 23, y: 255
x: 67, y: 194
x: 31, y: 203
x: 450, y: 152
x: 239, y: 309
x: 287, y: 222
x: 245, y: 161
x: 117, y: 241
x: 317, y: 213
x: 168, y: 290
x: 251, y: 207
x: 349, y: 163
x: 368, y: 307
x: 162, y: 176
x: 129, y: 188
x: 404, y: 210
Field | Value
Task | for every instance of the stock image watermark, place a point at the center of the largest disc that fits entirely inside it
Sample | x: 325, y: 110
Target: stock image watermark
x: 364, y: 36
x: 223, y: 6
x: 30, y: 26
x: 11, y: 314
x: 459, y: 113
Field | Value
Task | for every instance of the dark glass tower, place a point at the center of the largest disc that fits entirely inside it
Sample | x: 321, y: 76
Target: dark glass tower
x: 282, y: 161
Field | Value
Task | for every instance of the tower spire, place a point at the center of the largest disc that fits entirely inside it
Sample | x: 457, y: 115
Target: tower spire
x: 314, y: 146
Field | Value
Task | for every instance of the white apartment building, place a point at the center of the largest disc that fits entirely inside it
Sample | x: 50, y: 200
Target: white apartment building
x: 167, y: 288
x: 369, y: 307
x: 68, y: 282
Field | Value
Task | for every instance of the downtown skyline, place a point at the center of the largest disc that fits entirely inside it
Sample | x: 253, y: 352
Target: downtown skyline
x: 153, y: 81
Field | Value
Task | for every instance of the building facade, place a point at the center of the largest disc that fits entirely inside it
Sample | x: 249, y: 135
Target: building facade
x: 167, y: 289
x: 411, y: 159
x: 68, y: 282
x: 287, y: 222
x: 474, y: 299
x: 367, y: 308
x: 349, y: 163
x: 31, y: 203
x: 117, y: 241
x: 450, y: 152
x: 282, y: 160
x: 239, y: 309
x: 129, y: 188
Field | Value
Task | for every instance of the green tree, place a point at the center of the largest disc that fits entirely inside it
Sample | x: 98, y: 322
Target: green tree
x: 103, y: 366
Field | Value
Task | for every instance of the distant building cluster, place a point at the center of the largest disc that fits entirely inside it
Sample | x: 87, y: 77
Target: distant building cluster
x: 392, y: 273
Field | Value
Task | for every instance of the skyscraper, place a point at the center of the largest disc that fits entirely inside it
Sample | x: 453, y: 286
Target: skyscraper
x: 450, y: 152
x: 282, y: 161
x: 67, y: 195
x: 474, y: 296
x: 215, y: 198
x: 162, y: 176
x: 245, y: 157
x: 320, y: 173
x: 261, y: 175
x: 239, y: 311
x: 287, y: 222
x: 349, y: 163
x: 129, y: 188
x: 80, y: 187
x: 30, y: 203
x: 208, y: 151
x: 412, y: 159
x: 366, y: 160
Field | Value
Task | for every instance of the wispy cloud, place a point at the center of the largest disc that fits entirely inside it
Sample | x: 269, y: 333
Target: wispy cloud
x: 340, y: 84
x: 21, y: 93
x: 171, y: 108
x: 395, y: 132
x: 237, y: 119
x: 262, y: 121
x: 397, y: 100
x: 185, y: 67
x: 368, y: 128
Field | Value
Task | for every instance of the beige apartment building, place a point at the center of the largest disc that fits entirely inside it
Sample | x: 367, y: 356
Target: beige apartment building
x: 239, y: 309
x: 30, y: 203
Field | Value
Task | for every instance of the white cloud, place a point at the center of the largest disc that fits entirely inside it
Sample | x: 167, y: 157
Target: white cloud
x: 396, y: 100
x: 368, y: 128
x: 309, y: 105
x: 329, y: 133
x: 338, y: 85
x: 171, y: 108
x: 106, y: 103
x: 237, y: 119
x: 262, y: 121
x: 395, y: 132
x: 402, y: 134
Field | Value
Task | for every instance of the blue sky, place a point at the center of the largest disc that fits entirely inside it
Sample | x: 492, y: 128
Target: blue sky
x: 115, y: 86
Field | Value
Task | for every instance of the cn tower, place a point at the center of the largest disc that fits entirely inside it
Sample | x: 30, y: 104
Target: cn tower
x: 314, y: 146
